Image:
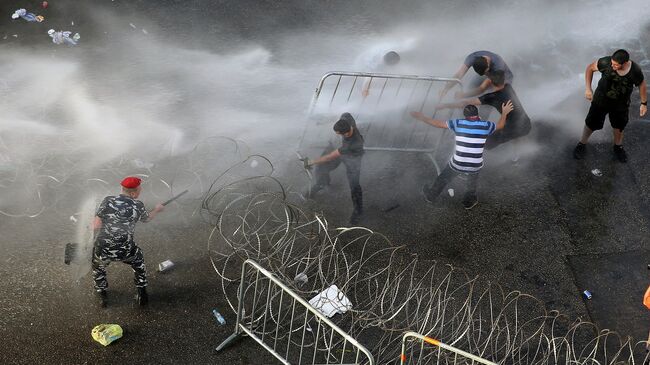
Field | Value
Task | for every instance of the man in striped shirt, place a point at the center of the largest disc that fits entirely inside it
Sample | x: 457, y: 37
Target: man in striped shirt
x: 471, y: 134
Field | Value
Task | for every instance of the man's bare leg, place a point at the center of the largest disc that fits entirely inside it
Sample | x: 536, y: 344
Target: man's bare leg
x: 586, y: 133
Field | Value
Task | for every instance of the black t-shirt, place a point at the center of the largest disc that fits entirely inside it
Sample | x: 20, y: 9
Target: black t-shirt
x: 353, y: 145
x: 614, y: 89
x: 517, y: 117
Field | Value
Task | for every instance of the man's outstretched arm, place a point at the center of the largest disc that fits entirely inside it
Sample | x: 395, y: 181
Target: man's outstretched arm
x: 506, y: 108
x: 328, y: 157
x: 434, y: 122
x: 589, y: 76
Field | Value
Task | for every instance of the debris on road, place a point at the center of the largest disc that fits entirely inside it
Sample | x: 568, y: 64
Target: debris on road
x: 61, y: 37
x: 30, y: 17
x: 597, y: 172
x: 165, y: 265
x: 587, y: 294
x: 219, y: 317
x: 107, y: 333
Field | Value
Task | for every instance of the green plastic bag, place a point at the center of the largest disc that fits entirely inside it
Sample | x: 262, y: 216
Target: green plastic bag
x: 106, y: 333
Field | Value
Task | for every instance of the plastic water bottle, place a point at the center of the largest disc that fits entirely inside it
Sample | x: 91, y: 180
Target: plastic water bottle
x: 219, y: 317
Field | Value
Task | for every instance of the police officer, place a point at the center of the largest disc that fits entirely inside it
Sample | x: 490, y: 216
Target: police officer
x: 350, y: 153
x: 114, y: 225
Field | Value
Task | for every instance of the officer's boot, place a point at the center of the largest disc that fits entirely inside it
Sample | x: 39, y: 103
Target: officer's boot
x: 103, y: 298
x: 142, y: 298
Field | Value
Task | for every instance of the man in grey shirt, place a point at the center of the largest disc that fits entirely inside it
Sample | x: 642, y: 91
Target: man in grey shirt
x: 483, y: 62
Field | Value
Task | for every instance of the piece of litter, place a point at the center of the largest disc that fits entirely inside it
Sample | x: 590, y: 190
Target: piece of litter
x: 72, y: 23
x: 165, y: 265
x: 451, y: 192
x: 597, y: 172
x: 61, y: 37
x: 106, y: 333
x: 301, y: 278
x: 15, y: 35
x: 142, y: 164
x: 219, y: 317
x: 331, y: 301
x: 132, y: 25
x: 73, y: 219
x: 30, y: 17
x: 587, y: 294
x: 144, y: 31
x: 44, y: 4
x: 254, y: 163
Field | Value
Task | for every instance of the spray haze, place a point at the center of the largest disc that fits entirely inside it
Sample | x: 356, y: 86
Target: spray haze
x: 158, y: 93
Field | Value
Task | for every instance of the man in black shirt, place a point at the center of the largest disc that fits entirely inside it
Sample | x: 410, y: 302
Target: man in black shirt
x: 114, y: 223
x: 612, y: 97
x: 350, y: 153
x: 517, y: 122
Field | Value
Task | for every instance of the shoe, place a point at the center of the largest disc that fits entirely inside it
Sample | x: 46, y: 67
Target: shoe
x: 314, y: 190
x: 470, y: 203
x: 142, y: 298
x: 580, y: 151
x: 425, y: 193
x: 355, y: 218
x: 103, y: 298
x: 620, y: 154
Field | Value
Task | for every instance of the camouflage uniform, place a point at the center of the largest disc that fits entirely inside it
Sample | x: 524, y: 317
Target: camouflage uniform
x: 114, y: 241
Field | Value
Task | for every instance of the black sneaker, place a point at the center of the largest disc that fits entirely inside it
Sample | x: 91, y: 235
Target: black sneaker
x: 314, y: 190
x: 103, y: 298
x: 425, y: 193
x: 142, y: 298
x: 580, y: 151
x: 355, y: 218
x: 620, y: 154
x: 470, y: 203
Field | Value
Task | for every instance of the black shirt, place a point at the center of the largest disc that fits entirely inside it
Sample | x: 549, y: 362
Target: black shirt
x: 353, y: 145
x: 517, y: 117
x: 614, y: 89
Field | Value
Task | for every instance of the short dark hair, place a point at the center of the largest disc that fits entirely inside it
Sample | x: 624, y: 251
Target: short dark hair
x: 391, y: 58
x: 621, y: 56
x: 498, y: 77
x: 470, y: 111
x: 480, y: 65
x: 342, y: 126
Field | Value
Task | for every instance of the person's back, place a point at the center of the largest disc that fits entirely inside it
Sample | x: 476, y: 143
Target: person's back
x: 471, y: 135
x: 119, y: 214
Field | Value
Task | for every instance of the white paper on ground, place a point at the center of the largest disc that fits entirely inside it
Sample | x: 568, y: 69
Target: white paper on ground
x: 331, y: 301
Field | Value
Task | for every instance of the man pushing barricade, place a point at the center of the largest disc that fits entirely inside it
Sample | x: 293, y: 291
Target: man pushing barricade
x: 350, y: 153
x: 471, y: 134
x: 114, y: 224
x: 518, y: 123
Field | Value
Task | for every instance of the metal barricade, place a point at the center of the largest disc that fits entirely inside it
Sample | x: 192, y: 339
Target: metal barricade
x: 287, y: 326
x: 382, y: 115
x: 419, y: 355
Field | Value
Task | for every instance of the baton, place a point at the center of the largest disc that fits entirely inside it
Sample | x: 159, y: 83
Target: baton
x: 174, y: 198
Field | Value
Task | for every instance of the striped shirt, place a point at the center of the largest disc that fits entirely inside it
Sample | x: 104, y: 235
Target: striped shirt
x: 470, y: 140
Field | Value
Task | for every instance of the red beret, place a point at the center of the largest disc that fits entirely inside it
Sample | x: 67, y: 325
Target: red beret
x: 131, y: 182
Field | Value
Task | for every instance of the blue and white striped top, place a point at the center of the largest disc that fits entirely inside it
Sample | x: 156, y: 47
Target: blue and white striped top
x: 470, y: 140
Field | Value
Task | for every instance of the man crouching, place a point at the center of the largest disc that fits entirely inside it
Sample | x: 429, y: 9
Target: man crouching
x: 114, y: 226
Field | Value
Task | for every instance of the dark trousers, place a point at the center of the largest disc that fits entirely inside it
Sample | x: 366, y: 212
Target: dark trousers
x: 445, y: 178
x: 129, y: 253
x: 353, y: 172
